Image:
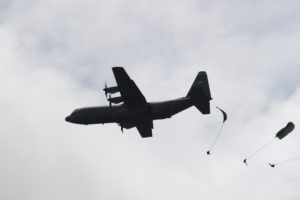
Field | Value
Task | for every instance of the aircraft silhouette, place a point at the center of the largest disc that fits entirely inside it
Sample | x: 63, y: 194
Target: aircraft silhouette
x: 135, y: 111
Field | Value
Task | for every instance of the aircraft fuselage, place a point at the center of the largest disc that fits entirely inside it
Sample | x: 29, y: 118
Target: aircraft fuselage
x: 129, y: 117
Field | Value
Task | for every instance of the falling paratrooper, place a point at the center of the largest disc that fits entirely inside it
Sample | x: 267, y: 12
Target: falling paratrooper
x: 284, y: 161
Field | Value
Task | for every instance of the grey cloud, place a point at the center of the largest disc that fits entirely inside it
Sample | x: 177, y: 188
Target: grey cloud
x: 56, y: 55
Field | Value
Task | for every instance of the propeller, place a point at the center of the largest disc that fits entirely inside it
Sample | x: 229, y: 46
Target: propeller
x: 105, y: 89
x: 109, y: 100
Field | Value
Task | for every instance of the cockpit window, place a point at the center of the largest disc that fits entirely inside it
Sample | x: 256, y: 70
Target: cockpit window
x: 74, y: 111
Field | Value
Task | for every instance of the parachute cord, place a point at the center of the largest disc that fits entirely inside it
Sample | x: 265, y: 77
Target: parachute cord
x: 217, y: 137
x: 260, y: 149
x: 288, y: 160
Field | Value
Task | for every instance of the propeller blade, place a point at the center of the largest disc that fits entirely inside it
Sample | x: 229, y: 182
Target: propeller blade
x: 109, y: 100
x: 105, y: 89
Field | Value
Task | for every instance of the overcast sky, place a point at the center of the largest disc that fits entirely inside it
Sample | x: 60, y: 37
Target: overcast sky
x: 55, y: 56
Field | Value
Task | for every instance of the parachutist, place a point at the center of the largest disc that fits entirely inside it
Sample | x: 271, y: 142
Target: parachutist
x: 245, y: 161
x: 220, y: 130
x: 272, y: 165
x: 280, y: 135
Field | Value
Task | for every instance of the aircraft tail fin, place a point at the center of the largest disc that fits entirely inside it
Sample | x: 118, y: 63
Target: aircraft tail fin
x: 200, y: 93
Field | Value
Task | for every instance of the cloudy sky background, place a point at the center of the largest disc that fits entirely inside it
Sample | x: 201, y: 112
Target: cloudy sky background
x: 55, y: 56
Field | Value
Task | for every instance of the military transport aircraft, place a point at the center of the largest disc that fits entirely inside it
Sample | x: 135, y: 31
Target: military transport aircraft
x: 135, y: 111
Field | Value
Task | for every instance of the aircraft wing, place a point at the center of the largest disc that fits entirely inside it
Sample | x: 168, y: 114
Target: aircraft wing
x: 130, y: 93
x: 145, y: 129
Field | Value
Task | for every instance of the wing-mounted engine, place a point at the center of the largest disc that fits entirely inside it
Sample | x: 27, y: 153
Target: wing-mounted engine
x: 110, y: 90
x: 114, y: 100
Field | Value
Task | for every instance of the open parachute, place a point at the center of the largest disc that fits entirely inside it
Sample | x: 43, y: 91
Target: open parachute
x: 220, y: 130
x: 282, y: 133
x: 285, y: 131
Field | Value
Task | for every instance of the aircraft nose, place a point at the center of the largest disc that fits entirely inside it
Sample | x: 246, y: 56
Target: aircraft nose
x: 68, y: 118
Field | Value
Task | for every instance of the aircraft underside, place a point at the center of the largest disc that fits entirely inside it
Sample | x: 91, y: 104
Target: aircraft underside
x: 135, y: 111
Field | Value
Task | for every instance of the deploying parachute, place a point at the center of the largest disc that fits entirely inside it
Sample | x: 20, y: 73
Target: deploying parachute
x: 223, y: 113
x: 219, y: 133
x: 280, y: 135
